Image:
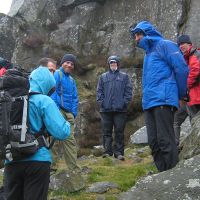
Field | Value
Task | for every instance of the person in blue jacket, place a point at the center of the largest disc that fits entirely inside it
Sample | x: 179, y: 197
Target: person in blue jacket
x: 164, y: 83
x: 29, y: 178
x: 66, y: 98
x: 114, y: 92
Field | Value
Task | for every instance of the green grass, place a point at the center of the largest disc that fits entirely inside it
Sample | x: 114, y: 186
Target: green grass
x: 123, y: 173
x: 124, y: 176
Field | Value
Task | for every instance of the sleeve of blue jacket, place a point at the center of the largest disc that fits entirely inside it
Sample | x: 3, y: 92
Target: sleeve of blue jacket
x: 55, y: 123
x: 170, y: 52
x: 44, y: 110
x: 128, y: 90
x: 75, y: 100
x: 100, y: 93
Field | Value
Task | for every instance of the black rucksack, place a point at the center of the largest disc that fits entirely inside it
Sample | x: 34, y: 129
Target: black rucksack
x: 15, y: 140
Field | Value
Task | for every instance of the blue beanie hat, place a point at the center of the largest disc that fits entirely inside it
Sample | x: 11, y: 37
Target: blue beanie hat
x: 68, y: 57
x: 183, y: 39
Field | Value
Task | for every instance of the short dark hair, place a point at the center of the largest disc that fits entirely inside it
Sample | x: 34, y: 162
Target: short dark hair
x: 45, y: 61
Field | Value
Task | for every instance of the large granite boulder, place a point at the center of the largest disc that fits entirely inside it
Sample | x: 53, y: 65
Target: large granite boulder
x: 94, y: 27
x: 7, y: 39
x: 67, y: 181
x: 181, y: 182
x: 190, y: 145
x: 91, y: 29
x: 140, y: 136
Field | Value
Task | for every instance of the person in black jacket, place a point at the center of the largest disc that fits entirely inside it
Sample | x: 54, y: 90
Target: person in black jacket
x: 114, y: 92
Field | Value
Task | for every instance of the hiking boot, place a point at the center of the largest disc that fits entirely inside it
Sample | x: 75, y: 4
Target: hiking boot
x: 120, y: 157
x: 105, y: 155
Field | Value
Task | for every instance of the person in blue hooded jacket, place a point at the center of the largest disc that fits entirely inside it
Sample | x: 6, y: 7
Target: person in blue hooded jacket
x: 114, y: 93
x: 29, y: 178
x: 164, y: 83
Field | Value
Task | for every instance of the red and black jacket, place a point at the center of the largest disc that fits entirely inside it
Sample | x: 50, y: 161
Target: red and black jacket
x: 193, y: 60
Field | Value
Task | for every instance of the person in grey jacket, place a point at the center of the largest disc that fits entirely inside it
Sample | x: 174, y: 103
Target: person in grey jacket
x: 114, y: 92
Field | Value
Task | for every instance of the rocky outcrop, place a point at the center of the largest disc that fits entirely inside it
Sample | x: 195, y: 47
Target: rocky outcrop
x: 91, y: 29
x: 179, y: 183
x: 140, y: 136
x: 190, y: 145
x: 7, y: 39
x: 68, y: 181
x: 101, y: 187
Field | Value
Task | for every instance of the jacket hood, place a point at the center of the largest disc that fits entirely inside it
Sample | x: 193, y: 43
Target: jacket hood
x: 151, y: 35
x: 41, y: 80
x: 147, y: 28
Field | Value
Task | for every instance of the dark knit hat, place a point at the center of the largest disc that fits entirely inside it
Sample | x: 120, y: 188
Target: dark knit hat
x: 68, y: 57
x: 183, y: 39
x: 5, y: 63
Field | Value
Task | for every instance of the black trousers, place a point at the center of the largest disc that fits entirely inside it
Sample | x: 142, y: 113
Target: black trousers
x: 161, y: 138
x: 116, y: 120
x: 179, y: 117
x: 27, y: 180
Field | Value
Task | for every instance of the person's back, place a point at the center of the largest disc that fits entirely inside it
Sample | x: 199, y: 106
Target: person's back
x: 29, y: 178
x: 160, y: 84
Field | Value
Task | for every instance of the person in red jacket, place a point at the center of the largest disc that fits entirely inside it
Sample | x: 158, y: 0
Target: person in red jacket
x: 192, y: 57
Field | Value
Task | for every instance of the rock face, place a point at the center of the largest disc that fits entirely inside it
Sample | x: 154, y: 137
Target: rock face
x: 180, y: 183
x: 7, y: 39
x: 90, y: 28
x: 93, y: 30
x: 190, y: 145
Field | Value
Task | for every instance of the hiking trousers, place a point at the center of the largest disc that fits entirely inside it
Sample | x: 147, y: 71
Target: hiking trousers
x: 27, y: 180
x: 161, y: 138
x: 179, y: 117
x: 116, y: 120
x: 68, y: 148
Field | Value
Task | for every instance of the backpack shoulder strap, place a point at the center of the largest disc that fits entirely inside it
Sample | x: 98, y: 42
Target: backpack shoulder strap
x: 24, y: 118
x: 61, y: 88
x: 60, y: 73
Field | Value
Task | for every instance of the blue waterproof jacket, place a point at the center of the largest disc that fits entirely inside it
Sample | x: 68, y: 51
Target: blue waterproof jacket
x: 114, y: 91
x: 165, y: 71
x: 65, y: 96
x: 43, y: 110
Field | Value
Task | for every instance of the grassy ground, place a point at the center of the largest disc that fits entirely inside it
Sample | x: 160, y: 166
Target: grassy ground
x: 123, y: 173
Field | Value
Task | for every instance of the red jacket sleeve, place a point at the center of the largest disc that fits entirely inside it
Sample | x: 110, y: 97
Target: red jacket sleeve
x: 2, y: 71
x: 194, y: 66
